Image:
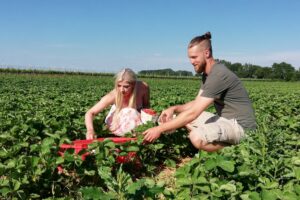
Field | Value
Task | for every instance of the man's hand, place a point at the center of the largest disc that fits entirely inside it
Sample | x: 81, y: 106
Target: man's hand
x: 152, y: 134
x: 166, y: 115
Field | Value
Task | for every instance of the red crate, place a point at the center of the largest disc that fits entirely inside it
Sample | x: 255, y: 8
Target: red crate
x: 79, y: 145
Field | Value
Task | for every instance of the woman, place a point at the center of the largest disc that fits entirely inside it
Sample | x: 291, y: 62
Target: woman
x: 127, y: 99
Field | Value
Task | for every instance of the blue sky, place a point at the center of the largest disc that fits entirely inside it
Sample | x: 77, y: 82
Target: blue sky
x: 107, y: 35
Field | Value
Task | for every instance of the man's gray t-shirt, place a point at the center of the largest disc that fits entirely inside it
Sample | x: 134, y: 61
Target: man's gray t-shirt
x: 231, y: 99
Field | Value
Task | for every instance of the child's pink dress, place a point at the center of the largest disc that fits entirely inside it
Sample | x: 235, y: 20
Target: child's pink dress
x: 129, y: 119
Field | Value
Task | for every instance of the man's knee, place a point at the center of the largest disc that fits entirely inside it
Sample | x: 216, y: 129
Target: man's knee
x: 201, y: 144
x: 196, y: 140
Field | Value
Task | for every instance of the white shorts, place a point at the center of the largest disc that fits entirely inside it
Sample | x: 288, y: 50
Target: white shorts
x: 215, y: 129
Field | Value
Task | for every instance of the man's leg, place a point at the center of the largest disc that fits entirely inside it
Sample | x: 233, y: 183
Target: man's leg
x: 197, y: 135
x: 200, y: 144
x: 210, y: 133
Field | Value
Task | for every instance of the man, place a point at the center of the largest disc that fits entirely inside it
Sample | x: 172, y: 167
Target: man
x: 220, y: 87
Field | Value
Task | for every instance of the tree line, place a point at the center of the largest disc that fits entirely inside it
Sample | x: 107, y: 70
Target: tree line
x: 278, y: 71
x: 165, y: 72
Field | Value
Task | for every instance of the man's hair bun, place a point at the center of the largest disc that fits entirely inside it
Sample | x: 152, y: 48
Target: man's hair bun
x: 207, y: 35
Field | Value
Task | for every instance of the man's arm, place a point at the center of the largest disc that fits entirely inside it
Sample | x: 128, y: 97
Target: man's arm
x: 167, y: 114
x: 185, y: 117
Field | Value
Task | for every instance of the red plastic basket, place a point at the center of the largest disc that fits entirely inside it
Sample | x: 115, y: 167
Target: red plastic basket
x: 79, y: 145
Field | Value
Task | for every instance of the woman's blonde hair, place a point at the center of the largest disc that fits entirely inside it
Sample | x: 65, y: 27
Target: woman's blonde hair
x: 129, y: 76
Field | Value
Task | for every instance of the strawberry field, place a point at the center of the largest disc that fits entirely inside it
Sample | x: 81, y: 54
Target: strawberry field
x: 38, y: 113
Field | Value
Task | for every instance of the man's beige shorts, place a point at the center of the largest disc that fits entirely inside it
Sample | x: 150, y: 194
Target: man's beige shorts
x: 215, y: 129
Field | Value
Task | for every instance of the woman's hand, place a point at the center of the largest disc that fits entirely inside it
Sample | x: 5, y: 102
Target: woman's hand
x: 90, y: 135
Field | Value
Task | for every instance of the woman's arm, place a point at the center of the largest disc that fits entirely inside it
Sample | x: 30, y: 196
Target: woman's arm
x: 105, y: 101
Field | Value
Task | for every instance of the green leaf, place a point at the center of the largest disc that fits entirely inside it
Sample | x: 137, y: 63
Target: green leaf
x: 48, y: 142
x: 109, y: 143
x: 244, y: 173
x: 4, y: 182
x: 271, y: 185
x: 244, y: 196
x: 46, y: 145
x: 245, y: 155
x: 94, y: 193
x: 296, y: 161
x: 34, y: 196
x: 34, y: 161
x: 215, y: 193
x: 254, y: 196
x: 105, y: 172
x: 89, y: 172
x: 170, y: 163
x: 201, y: 180
x: 268, y: 195
x: 196, y: 173
x: 227, y: 165
x: 6, y: 136
x: 3, y: 154
x: 182, y: 172
x: 205, y: 189
x: 297, y: 172
x: 149, y: 182
x: 160, y: 183
x: 210, y: 164
x: 183, y: 182
x: 4, y: 191
x: 156, y: 190
x: 11, y: 163
x: 184, y: 193
x: 59, y: 160
x: 25, y: 180
x: 290, y: 195
x: 135, y: 186
x: 158, y: 146
x: 68, y: 155
x: 297, y: 189
x: 16, y: 184
x: 34, y: 147
x: 55, y: 136
x: 132, y: 148
x: 229, y: 187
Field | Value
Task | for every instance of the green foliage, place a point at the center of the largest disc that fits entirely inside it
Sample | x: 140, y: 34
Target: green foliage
x: 165, y: 72
x: 283, y: 71
x: 39, y: 113
x: 278, y: 71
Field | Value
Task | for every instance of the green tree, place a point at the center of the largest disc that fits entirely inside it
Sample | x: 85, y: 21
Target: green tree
x: 237, y: 68
x: 283, y: 71
x: 263, y: 72
x: 296, y: 76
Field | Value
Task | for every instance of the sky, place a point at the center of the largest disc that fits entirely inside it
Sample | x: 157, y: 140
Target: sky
x: 108, y: 35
